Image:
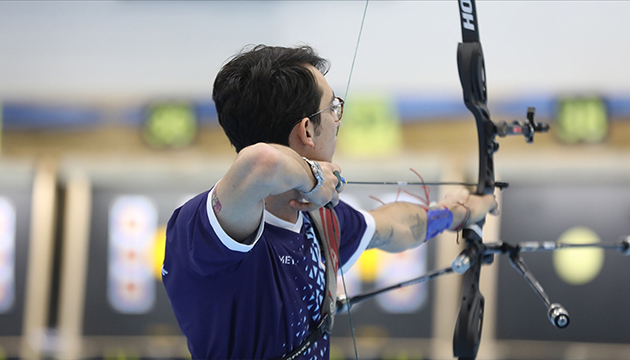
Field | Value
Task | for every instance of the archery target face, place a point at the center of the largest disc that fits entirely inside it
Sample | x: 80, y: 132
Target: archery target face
x: 132, y: 228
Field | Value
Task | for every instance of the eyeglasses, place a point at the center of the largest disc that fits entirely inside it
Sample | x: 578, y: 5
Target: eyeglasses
x: 336, y: 107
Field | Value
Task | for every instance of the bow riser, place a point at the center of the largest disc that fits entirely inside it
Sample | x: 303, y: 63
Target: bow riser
x: 473, y: 80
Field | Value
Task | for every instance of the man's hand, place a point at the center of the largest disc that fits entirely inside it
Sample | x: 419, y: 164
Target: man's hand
x: 327, y: 193
x: 479, y: 206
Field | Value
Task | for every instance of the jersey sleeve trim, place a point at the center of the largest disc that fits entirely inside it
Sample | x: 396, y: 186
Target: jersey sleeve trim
x: 223, y: 236
x: 365, y: 241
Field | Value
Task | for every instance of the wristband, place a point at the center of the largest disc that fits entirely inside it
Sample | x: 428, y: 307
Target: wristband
x: 438, y: 220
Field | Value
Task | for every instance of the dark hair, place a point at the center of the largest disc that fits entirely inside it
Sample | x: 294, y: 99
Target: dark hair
x: 262, y: 92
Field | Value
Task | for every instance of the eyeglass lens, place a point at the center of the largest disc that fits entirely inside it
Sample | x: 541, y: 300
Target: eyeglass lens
x: 338, y: 107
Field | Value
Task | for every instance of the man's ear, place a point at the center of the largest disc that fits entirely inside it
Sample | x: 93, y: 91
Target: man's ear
x: 302, y: 134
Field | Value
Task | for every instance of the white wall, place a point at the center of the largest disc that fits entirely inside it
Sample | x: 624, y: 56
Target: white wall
x: 139, y: 48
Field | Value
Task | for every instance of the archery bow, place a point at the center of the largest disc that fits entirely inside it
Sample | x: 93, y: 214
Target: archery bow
x: 472, y: 75
x: 467, y: 334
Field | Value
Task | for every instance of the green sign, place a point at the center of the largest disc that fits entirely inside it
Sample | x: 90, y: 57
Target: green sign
x: 370, y: 127
x: 170, y: 125
x: 582, y: 120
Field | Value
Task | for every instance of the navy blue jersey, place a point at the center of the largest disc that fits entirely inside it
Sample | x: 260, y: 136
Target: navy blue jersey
x: 258, y: 301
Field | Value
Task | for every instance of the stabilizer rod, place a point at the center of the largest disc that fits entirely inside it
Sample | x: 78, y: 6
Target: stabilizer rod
x: 343, y: 303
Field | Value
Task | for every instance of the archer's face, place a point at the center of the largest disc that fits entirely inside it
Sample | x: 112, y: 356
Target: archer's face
x: 325, y: 137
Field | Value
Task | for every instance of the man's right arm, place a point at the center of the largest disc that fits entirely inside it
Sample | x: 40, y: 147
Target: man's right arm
x: 259, y: 171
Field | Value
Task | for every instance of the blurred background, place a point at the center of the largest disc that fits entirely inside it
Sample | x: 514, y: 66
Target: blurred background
x: 107, y: 125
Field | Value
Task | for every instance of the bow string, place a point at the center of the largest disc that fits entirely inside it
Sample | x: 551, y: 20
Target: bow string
x: 343, y: 280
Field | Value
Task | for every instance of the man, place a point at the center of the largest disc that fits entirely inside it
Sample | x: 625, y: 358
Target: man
x: 242, y: 266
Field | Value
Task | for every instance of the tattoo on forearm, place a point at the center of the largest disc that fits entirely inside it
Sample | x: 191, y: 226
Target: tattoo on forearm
x: 381, y: 239
x: 418, y: 229
x: 216, y: 204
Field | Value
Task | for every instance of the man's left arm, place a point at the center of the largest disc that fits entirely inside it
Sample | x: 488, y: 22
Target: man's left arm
x: 401, y: 226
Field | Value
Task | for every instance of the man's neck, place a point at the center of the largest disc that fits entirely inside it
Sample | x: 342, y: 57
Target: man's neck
x: 279, y: 206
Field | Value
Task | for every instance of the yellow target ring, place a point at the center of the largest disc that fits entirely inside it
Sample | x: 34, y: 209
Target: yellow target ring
x: 158, y: 251
x: 578, y: 266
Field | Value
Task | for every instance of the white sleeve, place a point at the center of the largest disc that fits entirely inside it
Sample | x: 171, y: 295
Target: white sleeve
x: 223, y: 236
